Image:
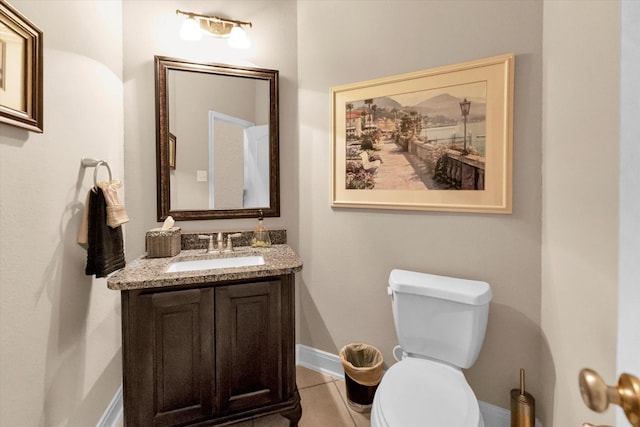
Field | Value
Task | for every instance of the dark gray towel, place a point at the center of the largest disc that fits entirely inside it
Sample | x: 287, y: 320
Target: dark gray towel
x: 105, y: 253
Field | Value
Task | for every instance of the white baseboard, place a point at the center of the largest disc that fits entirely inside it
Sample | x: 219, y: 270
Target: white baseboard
x: 327, y: 363
x: 319, y: 361
x: 113, y: 413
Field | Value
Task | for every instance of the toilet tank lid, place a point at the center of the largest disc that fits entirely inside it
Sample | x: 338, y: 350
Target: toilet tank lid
x: 465, y: 291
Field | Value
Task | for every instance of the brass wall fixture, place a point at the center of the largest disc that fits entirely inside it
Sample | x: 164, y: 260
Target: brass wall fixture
x: 597, y: 395
x: 195, y: 24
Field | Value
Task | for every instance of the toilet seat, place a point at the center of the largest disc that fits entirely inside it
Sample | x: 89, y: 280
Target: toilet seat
x: 423, y: 393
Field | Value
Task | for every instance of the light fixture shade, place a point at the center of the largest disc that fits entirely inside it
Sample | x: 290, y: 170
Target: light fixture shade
x: 190, y: 29
x: 238, y: 38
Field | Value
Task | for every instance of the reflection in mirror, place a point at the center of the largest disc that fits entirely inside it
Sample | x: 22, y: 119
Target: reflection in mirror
x: 217, y: 140
x: 238, y: 163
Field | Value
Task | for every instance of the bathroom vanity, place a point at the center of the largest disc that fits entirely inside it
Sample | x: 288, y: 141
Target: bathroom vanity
x: 209, y: 346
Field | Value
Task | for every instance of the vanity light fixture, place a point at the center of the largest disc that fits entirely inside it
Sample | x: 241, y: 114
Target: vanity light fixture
x: 195, y: 24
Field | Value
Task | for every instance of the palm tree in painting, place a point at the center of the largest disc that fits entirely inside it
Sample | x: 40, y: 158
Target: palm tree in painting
x: 349, y: 107
x: 368, y: 103
x: 414, y: 121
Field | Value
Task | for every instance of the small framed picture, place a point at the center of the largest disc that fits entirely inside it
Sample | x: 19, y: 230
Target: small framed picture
x: 21, y: 102
x: 172, y: 151
x: 3, y: 62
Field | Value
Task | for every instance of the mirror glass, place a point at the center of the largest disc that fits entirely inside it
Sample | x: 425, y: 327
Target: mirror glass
x: 217, y: 140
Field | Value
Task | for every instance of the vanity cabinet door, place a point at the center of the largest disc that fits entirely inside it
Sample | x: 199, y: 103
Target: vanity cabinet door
x: 173, y: 357
x: 248, y: 345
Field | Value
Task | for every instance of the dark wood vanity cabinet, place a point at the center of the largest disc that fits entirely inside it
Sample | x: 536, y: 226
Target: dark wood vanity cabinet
x: 209, y: 354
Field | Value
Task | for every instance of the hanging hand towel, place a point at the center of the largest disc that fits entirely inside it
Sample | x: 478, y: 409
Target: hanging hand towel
x: 83, y: 233
x: 105, y: 253
x: 116, y: 215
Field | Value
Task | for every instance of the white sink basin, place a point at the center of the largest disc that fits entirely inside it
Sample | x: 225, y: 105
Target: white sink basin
x: 212, y: 264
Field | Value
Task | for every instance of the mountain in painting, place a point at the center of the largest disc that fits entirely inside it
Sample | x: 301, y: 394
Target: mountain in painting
x: 440, y: 105
x: 449, y: 106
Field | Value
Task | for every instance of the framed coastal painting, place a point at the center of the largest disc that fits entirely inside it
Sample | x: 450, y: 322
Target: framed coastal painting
x: 439, y: 139
x: 20, y: 70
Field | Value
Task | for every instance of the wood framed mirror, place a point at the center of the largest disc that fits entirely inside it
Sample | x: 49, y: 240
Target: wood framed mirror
x: 217, y: 140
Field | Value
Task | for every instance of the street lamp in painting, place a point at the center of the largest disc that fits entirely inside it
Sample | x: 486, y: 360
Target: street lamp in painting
x: 465, y: 106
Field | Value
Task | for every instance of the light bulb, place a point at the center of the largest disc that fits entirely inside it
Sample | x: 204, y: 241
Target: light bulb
x: 190, y: 29
x: 238, y: 38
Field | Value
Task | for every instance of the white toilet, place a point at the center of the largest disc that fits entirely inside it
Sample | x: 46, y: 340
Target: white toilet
x: 440, y: 322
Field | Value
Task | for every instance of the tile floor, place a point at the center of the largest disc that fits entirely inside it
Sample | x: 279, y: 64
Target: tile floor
x: 324, y: 404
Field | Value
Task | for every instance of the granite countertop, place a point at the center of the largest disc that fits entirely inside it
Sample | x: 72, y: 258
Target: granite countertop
x: 144, y: 273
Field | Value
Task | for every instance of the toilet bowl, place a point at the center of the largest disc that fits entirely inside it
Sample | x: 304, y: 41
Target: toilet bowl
x: 422, y: 393
x: 440, y: 322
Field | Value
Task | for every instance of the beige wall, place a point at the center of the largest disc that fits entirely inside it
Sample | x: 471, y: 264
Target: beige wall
x: 349, y: 253
x: 580, y: 198
x: 60, y: 330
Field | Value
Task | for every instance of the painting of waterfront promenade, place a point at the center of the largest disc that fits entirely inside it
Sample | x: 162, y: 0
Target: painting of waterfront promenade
x: 438, y: 139
x: 417, y: 141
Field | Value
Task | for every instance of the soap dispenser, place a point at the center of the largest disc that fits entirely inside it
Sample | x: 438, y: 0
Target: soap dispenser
x: 261, y: 237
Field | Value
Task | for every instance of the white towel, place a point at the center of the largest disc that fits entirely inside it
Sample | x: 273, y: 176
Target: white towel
x: 116, y: 214
x: 83, y: 233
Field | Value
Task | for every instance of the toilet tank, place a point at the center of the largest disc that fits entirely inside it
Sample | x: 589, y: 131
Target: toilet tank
x: 439, y: 317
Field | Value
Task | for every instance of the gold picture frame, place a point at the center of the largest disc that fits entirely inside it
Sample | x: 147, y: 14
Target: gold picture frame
x: 21, y: 87
x: 439, y: 139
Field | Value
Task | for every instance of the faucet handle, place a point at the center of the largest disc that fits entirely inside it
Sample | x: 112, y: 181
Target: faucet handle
x: 229, y: 242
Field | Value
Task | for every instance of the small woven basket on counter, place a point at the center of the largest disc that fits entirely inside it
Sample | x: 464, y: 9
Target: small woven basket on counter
x: 162, y: 243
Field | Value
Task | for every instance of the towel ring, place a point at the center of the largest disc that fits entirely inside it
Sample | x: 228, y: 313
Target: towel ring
x: 93, y: 163
x: 95, y: 171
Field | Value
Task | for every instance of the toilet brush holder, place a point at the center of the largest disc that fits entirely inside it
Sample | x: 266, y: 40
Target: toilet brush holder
x: 523, y: 406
